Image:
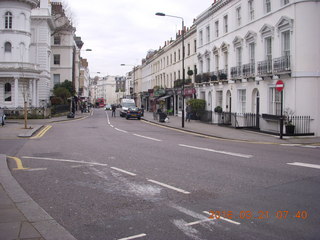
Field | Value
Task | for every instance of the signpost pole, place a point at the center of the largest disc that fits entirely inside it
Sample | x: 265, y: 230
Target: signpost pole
x: 279, y: 88
x: 281, y: 116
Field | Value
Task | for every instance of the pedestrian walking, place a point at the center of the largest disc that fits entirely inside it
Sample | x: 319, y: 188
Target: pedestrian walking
x: 2, y: 117
x: 113, y: 110
x: 188, y: 110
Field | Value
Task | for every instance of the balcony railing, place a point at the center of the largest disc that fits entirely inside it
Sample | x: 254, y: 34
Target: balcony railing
x: 265, y: 67
x: 236, y: 72
x: 248, y: 70
x: 281, y: 64
x: 223, y: 74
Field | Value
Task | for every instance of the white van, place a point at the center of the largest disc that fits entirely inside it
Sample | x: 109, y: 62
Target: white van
x: 125, y: 105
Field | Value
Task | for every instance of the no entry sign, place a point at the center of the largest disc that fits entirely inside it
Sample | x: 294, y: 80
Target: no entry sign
x: 279, y: 85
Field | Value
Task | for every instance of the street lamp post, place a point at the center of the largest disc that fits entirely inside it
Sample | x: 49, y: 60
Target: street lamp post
x: 183, y: 73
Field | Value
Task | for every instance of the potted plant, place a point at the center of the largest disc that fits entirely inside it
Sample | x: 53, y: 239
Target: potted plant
x: 288, y: 117
x: 218, y: 109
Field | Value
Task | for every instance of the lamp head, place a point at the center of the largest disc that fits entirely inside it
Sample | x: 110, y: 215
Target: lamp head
x: 160, y: 14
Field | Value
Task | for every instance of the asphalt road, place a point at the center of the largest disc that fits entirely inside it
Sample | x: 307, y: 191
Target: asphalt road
x: 112, y: 178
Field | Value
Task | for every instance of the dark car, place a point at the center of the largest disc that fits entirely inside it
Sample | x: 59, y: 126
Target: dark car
x: 133, y: 113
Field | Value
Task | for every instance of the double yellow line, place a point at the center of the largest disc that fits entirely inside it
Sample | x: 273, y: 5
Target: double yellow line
x: 42, y: 132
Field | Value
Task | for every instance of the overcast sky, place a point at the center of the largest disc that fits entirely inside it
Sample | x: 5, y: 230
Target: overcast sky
x: 122, y: 31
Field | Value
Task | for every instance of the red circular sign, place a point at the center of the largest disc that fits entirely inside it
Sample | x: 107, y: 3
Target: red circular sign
x: 279, y: 85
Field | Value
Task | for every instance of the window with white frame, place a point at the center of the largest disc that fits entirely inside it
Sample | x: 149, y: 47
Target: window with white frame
x: 7, y: 92
x: 216, y: 26
x: 56, y: 59
x: 201, y: 66
x: 284, y: 2
x: 208, y: 33
x: 7, y: 47
x: 242, y: 99
x: 239, y: 56
x: 225, y: 23
x: 201, y: 38
x: 238, y: 16
x: 267, y: 6
x: 195, y: 46
x: 225, y: 59
x: 216, y: 56
x: 251, y: 9
x: 252, y: 52
x: 8, y: 20
x: 179, y: 55
x: 57, y: 40
x: 268, y: 48
x: 56, y: 79
x: 208, y: 64
x: 219, y: 98
x: 285, y: 38
x: 188, y: 49
x: 274, y: 101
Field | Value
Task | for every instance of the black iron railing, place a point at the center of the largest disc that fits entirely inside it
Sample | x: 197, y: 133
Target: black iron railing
x: 281, y: 64
x: 248, y: 70
x: 265, y: 67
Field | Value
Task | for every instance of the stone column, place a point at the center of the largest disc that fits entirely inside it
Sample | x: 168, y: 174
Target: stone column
x: 16, y: 92
x: 30, y: 92
x: 34, y: 93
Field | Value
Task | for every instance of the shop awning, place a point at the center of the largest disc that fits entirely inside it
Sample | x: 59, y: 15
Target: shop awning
x: 164, y: 97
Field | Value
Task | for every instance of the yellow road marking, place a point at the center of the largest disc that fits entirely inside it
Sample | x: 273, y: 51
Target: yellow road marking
x: 42, y: 132
x: 19, y: 163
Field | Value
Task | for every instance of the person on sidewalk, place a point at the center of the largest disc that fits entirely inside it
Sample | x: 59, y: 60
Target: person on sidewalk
x: 188, y: 110
x: 2, y: 117
x: 113, y: 110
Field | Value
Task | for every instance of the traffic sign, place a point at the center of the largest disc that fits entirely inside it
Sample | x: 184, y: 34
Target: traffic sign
x: 279, y: 85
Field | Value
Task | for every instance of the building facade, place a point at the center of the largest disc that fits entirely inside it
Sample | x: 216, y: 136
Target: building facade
x: 25, y: 59
x: 246, y: 46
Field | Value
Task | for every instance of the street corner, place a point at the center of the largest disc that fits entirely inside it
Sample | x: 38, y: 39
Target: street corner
x: 30, y: 131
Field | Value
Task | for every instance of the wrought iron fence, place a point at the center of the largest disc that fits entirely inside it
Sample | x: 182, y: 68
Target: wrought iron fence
x: 281, y: 64
x: 265, y: 67
x: 302, y: 125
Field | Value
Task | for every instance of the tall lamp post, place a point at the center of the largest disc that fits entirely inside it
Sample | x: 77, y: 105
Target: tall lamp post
x: 183, y: 73
x: 134, y: 69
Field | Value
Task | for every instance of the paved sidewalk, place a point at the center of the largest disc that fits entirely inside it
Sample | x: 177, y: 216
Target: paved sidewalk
x: 214, y: 130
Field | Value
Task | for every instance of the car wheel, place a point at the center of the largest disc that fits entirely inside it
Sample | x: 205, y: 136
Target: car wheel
x: 139, y: 118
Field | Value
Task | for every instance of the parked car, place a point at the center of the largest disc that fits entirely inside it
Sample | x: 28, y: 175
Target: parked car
x: 133, y: 113
x: 108, y: 107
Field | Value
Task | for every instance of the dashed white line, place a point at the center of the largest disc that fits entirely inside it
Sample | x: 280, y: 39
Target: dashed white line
x: 124, y: 171
x: 198, y: 222
x: 150, y: 138
x: 65, y: 160
x: 120, y: 130
x: 217, y: 151
x: 169, y: 186
x: 224, y: 219
x: 134, y: 237
x: 305, y: 165
x: 35, y: 169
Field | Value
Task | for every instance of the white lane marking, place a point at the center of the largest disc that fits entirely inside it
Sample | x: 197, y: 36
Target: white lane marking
x: 310, y: 146
x: 111, y: 125
x: 197, y: 222
x: 134, y: 237
x: 169, y: 186
x: 291, y: 145
x: 123, y: 171
x: 154, y: 139
x: 120, y: 130
x: 309, y: 165
x: 224, y: 219
x: 65, y: 160
x: 35, y: 169
x: 217, y: 151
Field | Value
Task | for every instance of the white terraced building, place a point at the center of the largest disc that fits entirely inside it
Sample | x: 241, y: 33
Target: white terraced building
x: 245, y: 47
x: 25, y: 28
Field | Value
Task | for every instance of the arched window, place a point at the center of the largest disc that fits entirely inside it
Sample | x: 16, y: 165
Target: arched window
x: 7, y: 47
x: 7, y: 92
x: 8, y: 20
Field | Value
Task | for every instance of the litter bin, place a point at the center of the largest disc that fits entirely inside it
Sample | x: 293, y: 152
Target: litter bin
x: 162, y: 117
